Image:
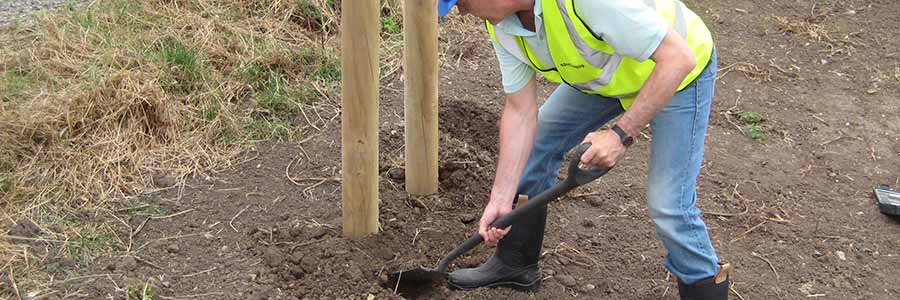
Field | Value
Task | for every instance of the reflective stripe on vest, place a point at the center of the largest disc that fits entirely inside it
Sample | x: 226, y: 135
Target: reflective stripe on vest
x: 590, y: 64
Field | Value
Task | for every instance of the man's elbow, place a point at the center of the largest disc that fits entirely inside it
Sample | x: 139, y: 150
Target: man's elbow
x: 687, y: 60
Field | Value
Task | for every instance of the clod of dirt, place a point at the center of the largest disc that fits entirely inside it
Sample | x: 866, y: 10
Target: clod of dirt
x: 468, y: 218
x: 458, y: 177
x: 308, y: 264
x: 297, y: 257
x: 282, y: 234
x: 296, y: 232
x: 164, y: 181
x: 66, y: 262
x: 127, y: 263
x: 173, y: 248
x: 595, y: 201
x: 25, y: 228
x: 397, y: 174
x: 320, y: 232
x: 297, y: 272
x: 587, y: 288
x: 588, y: 223
x: 263, y: 294
x: 567, y: 280
x: 273, y: 257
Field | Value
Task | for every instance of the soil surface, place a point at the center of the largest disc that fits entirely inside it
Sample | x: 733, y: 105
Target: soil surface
x: 794, y: 213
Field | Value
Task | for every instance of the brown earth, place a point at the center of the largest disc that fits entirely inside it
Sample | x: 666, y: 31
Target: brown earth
x: 794, y: 213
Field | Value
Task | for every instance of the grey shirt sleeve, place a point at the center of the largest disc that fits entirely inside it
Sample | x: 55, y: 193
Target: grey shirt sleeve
x: 515, y: 72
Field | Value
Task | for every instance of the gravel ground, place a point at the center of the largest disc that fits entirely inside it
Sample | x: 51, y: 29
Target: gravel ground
x: 11, y: 9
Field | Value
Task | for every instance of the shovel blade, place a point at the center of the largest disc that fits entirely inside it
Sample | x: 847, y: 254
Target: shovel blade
x: 416, y: 283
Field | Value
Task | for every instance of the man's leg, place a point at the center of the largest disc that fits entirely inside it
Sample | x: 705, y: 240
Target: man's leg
x: 676, y: 155
x: 563, y: 121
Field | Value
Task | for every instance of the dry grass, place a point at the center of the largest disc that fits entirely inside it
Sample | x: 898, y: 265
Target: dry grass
x: 104, y: 101
x: 109, y: 100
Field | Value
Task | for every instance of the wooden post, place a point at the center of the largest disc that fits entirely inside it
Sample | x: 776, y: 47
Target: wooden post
x: 360, y: 28
x: 420, y: 95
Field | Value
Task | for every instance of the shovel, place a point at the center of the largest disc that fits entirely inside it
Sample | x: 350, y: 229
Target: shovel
x: 413, y: 283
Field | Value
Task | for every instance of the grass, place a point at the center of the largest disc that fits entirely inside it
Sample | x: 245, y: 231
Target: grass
x: 140, y: 293
x: 15, y: 85
x: 99, y: 96
x: 88, y: 241
x: 185, y: 73
x: 753, y: 121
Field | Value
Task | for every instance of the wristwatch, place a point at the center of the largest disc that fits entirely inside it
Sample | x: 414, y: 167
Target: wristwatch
x: 624, y: 137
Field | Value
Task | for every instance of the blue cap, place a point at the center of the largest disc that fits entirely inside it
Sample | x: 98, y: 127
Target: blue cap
x: 444, y: 7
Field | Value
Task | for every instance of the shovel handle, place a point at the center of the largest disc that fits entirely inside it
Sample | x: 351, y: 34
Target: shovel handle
x: 576, y: 177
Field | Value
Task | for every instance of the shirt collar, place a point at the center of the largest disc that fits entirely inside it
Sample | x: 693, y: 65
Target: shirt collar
x: 513, y: 26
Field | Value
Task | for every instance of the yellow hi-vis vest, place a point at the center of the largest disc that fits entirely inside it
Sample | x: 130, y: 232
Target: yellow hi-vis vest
x: 587, y: 63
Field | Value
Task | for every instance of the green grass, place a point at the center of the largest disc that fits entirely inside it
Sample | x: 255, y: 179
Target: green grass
x: 211, y: 111
x: 14, y: 85
x: 324, y: 64
x: 753, y: 121
x: 309, y: 11
x: 89, y: 242
x: 390, y: 26
x: 185, y: 73
x: 263, y: 129
x: 5, y: 185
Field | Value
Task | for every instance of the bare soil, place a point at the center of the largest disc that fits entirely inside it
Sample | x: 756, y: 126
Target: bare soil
x: 794, y: 213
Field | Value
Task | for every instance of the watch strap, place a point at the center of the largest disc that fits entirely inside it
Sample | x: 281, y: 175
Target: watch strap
x: 624, y: 137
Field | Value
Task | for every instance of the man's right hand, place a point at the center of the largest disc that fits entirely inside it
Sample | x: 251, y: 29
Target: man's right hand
x: 492, y: 212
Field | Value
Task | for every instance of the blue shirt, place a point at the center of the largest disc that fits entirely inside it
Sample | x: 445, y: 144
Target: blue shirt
x: 630, y: 27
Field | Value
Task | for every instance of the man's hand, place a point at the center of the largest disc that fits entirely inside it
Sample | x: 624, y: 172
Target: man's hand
x: 494, y: 211
x: 605, y: 151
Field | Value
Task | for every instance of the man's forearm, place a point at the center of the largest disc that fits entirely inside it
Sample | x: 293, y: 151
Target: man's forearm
x: 673, y: 63
x: 518, y: 125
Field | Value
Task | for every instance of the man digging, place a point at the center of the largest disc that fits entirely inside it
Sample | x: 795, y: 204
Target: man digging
x: 648, y: 61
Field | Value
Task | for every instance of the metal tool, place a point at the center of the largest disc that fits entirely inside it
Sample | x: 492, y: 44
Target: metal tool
x: 411, y: 283
x: 888, y: 200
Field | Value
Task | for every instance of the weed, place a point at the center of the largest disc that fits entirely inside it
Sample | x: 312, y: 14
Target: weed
x: 390, y: 26
x: 140, y: 293
x: 88, y: 242
x: 755, y: 133
x: 750, y: 117
x: 753, y: 121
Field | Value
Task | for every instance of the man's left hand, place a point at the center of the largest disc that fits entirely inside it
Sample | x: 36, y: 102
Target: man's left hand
x: 606, y: 149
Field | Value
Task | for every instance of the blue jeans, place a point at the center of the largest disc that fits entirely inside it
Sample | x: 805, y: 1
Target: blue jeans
x: 676, y: 153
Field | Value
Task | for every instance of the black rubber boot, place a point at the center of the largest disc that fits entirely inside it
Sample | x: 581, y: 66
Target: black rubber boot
x: 514, y: 264
x: 713, y: 288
